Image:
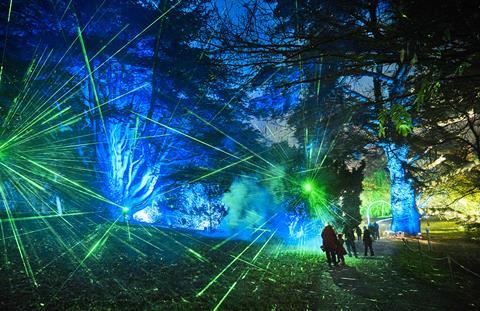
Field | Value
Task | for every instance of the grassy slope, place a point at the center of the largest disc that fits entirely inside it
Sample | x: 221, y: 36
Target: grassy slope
x: 161, y: 269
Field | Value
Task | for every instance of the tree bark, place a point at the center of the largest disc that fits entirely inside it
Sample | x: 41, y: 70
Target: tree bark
x: 405, y: 216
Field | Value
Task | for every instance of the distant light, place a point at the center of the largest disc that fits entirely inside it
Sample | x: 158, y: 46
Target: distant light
x: 307, y: 187
x: 125, y: 209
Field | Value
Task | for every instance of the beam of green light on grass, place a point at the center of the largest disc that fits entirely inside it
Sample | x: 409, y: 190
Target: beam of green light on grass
x: 218, y: 245
x: 129, y: 245
x: 263, y: 246
x: 18, y: 240
x: 196, y: 254
x: 147, y: 242
x: 230, y: 289
x: 215, y: 278
x: 26, y: 233
x: 100, y: 241
x: 244, y: 274
x: 68, y: 250
x: 90, y: 252
x: 4, y: 244
x: 23, y: 192
x: 253, y: 265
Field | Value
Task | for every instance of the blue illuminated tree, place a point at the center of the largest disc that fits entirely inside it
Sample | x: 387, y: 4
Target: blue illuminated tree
x: 168, y: 103
x: 365, y: 66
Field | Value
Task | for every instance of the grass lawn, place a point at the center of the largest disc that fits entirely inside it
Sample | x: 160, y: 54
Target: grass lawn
x: 86, y: 263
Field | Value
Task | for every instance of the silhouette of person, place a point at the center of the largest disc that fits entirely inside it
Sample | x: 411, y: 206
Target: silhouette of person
x: 329, y: 239
x: 376, y: 227
x: 350, y: 241
x: 371, y: 228
x: 359, y: 233
x: 340, y: 249
x: 368, y: 241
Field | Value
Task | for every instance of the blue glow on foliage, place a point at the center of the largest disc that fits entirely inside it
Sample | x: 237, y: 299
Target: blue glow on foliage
x: 147, y: 215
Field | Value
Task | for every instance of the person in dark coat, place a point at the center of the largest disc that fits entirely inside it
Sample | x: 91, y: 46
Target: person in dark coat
x: 340, y: 249
x: 371, y: 228
x: 359, y: 233
x: 350, y: 241
x: 376, y: 227
x: 368, y: 241
x: 329, y: 239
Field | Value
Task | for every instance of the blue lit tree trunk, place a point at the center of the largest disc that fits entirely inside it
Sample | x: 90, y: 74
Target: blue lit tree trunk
x: 405, y: 216
x: 132, y: 177
x: 127, y: 176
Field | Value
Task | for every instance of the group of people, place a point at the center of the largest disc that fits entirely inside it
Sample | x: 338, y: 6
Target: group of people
x: 336, y: 247
x: 375, y: 230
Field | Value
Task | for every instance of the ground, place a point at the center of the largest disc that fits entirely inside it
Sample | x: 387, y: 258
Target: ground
x: 88, y: 263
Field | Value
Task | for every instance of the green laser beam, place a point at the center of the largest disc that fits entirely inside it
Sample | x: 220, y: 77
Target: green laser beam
x: 9, y: 11
x: 264, y: 245
x: 75, y: 118
x: 230, y: 289
x: 91, y: 251
x: 200, y: 293
x: 209, y: 174
x: 194, y: 138
x: 85, y: 190
x: 231, y: 138
x: 111, y: 56
x: 92, y: 80
x: 18, y: 240
x: 46, y: 216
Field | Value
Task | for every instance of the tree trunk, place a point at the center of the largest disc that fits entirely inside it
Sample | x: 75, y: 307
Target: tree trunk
x: 405, y: 216
x: 58, y: 202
